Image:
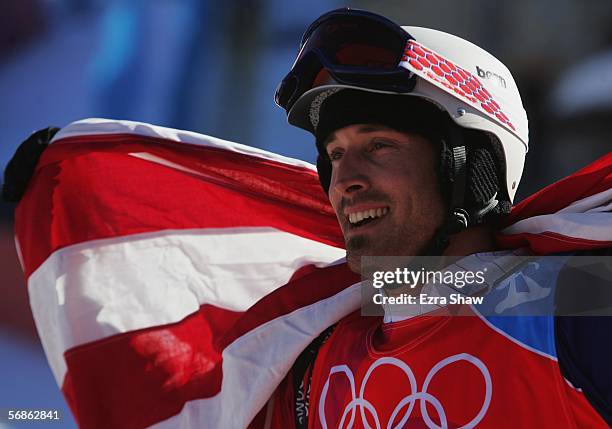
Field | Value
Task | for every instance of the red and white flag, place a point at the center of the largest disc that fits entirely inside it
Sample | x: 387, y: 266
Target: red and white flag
x: 175, y: 277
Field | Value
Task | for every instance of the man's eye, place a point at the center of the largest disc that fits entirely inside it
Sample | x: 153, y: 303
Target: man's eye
x: 380, y: 145
x: 335, y: 155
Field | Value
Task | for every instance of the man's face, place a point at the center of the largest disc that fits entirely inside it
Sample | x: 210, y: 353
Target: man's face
x: 384, y: 189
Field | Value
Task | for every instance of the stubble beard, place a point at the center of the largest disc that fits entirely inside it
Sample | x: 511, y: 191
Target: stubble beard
x: 402, y: 241
x: 363, y: 245
x: 354, y: 251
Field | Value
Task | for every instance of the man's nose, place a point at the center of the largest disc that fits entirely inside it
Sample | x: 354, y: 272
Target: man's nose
x: 349, y: 176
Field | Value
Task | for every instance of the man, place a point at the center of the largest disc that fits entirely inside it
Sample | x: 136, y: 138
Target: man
x: 421, y: 139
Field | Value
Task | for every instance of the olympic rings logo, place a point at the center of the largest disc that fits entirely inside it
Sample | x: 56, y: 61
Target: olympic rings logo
x: 422, y: 396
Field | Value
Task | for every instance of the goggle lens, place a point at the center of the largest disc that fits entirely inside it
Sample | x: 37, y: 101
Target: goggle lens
x: 349, y: 46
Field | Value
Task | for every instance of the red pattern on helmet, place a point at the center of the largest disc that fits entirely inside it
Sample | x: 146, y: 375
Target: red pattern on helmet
x: 454, y: 78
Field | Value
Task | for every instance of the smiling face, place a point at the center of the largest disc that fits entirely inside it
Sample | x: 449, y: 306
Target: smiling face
x: 384, y: 189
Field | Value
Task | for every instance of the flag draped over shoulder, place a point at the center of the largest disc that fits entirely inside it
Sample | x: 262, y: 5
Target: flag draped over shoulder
x: 571, y: 214
x: 143, y: 246
x: 175, y: 277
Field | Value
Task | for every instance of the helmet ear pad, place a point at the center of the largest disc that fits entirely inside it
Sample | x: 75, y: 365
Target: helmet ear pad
x: 482, y: 197
x: 486, y: 196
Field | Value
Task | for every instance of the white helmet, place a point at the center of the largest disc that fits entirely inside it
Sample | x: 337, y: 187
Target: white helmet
x: 472, y: 86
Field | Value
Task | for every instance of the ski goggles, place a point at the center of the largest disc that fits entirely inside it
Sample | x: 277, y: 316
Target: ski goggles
x: 352, y: 47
